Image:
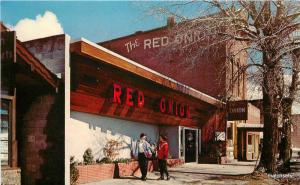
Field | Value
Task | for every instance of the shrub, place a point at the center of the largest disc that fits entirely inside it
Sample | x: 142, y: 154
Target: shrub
x: 74, y: 173
x: 123, y: 160
x: 111, y: 149
x: 104, y: 160
x: 88, y: 157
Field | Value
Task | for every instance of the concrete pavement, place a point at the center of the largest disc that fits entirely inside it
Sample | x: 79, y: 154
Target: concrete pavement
x: 192, y: 174
x: 240, y: 168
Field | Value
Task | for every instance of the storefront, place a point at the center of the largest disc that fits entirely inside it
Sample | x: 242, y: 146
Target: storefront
x: 113, y: 97
x: 244, y: 131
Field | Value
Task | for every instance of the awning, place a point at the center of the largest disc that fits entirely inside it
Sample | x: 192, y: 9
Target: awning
x: 248, y: 125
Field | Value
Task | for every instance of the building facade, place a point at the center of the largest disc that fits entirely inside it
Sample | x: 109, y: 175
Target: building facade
x: 211, y: 71
x: 113, y: 97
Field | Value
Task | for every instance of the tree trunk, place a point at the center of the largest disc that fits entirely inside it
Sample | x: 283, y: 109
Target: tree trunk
x: 270, y: 137
x: 286, y: 135
x: 271, y: 93
x: 287, y: 112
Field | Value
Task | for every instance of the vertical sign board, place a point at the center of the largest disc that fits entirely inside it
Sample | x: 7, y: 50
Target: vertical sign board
x: 8, y: 58
x: 237, y: 110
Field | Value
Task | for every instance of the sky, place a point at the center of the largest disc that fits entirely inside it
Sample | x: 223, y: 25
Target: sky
x: 94, y: 20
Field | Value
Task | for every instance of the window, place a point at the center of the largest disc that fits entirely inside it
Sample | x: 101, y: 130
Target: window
x: 229, y: 133
x: 5, y: 131
x: 249, y: 139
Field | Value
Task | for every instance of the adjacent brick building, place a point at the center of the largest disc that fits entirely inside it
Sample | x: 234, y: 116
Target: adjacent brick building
x: 32, y: 117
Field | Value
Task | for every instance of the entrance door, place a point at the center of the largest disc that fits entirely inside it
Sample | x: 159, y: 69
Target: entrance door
x: 190, y: 137
x: 252, y: 145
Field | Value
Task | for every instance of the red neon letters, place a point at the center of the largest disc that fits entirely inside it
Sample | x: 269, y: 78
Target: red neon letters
x: 117, y: 93
x: 162, y: 105
x: 141, y: 99
x: 129, y: 97
x: 172, y: 107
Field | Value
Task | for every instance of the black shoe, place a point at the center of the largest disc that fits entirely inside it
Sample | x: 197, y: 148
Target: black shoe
x: 161, y: 178
x: 143, y: 178
x: 168, y: 178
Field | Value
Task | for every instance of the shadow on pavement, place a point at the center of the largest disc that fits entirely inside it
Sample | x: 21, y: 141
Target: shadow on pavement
x: 136, y: 178
x: 233, y: 164
x: 207, y: 173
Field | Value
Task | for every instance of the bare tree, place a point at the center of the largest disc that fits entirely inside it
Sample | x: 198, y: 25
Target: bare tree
x: 262, y: 29
x: 291, y: 89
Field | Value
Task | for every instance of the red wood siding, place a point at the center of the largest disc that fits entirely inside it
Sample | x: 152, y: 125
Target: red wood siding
x: 92, y: 92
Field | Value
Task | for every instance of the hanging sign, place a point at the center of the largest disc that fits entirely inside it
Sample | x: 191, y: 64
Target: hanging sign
x: 237, y: 110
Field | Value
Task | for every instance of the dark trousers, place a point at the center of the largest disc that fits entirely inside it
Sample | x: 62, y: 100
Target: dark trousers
x: 162, y: 163
x: 143, y: 163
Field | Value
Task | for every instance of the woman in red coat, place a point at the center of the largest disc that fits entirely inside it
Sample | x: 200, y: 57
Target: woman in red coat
x: 162, y: 155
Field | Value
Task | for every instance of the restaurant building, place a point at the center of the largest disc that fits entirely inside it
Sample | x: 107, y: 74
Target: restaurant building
x: 113, y: 97
x: 210, y: 71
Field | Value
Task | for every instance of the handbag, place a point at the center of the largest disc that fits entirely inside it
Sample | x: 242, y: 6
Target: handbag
x: 148, y: 154
x: 147, y: 151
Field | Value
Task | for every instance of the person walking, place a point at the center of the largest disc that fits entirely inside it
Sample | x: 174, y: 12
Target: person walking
x: 162, y: 155
x: 143, y: 154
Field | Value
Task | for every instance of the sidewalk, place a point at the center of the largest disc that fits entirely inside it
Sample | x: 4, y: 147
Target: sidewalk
x: 240, y: 168
x: 194, y: 174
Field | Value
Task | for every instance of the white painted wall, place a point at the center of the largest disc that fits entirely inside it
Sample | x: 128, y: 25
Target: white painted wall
x: 93, y: 131
x: 172, y: 133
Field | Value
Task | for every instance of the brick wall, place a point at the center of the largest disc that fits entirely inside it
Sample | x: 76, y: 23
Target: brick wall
x: 208, y: 71
x: 50, y: 51
x: 127, y: 169
x: 41, y: 136
x: 216, y: 123
x: 98, y: 172
x: 201, y: 72
x: 93, y: 173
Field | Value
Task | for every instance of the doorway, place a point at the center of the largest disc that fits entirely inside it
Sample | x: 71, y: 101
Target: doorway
x: 190, y: 145
x: 252, y: 145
